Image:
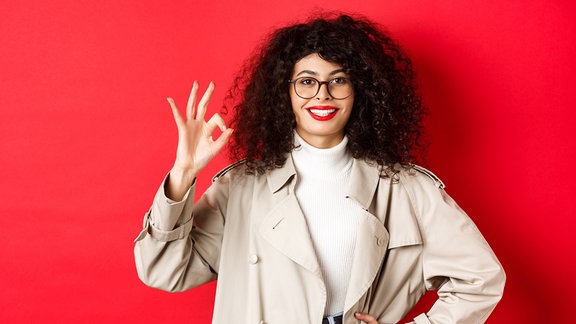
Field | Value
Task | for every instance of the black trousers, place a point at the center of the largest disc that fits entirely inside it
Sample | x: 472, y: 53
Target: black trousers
x: 336, y: 320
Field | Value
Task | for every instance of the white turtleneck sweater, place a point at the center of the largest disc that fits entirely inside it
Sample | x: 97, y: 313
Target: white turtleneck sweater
x: 323, y: 176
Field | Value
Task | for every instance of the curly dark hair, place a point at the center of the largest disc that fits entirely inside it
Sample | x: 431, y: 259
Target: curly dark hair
x: 385, y: 125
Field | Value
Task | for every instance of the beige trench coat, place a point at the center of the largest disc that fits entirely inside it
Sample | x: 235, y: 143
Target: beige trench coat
x: 249, y: 233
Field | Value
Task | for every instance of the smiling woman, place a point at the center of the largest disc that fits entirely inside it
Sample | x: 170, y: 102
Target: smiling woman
x: 321, y: 112
x: 325, y: 219
x: 384, y: 125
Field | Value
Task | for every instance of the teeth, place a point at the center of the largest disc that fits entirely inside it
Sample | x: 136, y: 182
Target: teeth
x: 322, y: 112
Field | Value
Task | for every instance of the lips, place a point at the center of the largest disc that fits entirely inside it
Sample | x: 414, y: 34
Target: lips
x: 322, y: 113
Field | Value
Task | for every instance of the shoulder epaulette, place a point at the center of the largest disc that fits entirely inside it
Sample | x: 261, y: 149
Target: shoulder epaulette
x: 228, y: 168
x: 430, y: 175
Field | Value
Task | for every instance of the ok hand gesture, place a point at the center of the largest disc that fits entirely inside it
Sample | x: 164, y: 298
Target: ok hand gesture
x: 196, y: 147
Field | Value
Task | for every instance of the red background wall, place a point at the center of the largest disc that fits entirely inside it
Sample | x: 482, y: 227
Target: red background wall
x: 86, y: 136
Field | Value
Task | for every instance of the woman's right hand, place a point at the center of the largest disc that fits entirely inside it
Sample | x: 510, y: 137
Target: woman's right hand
x: 196, y: 147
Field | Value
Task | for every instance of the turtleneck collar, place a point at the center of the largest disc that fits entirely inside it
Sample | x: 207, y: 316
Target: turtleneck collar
x: 320, y: 163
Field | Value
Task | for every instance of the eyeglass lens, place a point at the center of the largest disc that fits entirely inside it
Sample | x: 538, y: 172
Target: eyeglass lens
x: 308, y: 87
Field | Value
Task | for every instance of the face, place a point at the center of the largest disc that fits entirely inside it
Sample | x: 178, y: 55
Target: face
x: 320, y: 120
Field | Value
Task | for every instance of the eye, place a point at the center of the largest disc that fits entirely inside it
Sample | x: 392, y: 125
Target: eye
x: 339, y: 81
x: 308, y: 82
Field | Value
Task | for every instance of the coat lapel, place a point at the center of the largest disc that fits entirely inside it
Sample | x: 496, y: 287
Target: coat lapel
x: 364, y: 179
x: 285, y: 226
x: 371, y: 193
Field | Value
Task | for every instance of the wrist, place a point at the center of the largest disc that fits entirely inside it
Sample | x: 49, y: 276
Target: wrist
x: 178, y: 183
x: 183, y: 175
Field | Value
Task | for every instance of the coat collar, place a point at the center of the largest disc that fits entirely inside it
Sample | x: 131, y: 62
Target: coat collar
x: 279, y: 177
x: 364, y: 180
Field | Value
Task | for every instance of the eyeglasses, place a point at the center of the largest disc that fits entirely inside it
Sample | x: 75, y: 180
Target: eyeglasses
x: 308, y: 87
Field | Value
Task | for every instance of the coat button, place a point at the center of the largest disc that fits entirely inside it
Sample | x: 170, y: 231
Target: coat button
x: 379, y: 241
x: 253, y: 259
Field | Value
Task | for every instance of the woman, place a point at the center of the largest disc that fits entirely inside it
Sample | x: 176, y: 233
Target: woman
x: 325, y: 218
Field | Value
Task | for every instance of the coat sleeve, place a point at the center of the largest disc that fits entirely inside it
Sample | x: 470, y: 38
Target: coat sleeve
x: 180, y: 243
x: 457, y: 261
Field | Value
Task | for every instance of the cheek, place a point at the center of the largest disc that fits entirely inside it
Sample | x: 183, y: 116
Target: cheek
x: 293, y: 96
x: 296, y: 102
x: 349, y: 105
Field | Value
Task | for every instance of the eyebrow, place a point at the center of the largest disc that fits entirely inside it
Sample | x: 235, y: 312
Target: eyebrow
x: 316, y: 73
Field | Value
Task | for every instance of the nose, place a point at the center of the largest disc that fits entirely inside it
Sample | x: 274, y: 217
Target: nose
x: 323, y: 92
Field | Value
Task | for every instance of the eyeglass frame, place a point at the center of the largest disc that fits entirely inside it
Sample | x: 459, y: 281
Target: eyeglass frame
x: 320, y: 83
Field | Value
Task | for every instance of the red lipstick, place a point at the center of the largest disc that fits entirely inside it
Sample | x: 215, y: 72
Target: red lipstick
x: 322, y: 113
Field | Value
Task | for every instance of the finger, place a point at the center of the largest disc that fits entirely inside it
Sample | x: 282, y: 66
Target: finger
x: 216, y: 120
x: 192, y: 101
x: 366, y: 318
x: 222, y: 140
x: 203, y: 104
x: 177, y: 117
